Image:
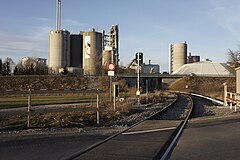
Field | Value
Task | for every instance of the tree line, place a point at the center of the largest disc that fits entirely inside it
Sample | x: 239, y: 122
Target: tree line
x: 29, y: 67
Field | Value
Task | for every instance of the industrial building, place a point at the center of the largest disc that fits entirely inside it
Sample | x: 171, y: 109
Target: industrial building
x: 92, y: 52
x: 193, y: 59
x: 204, y: 68
x: 59, y: 44
x: 27, y: 61
x: 76, y: 50
x: 111, y: 49
x: 83, y: 50
x: 181, y: 64
x: 177, y: 56
x: 144, y: 68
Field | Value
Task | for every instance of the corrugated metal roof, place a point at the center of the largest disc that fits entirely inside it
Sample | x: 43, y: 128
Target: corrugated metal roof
x: 204, y: 68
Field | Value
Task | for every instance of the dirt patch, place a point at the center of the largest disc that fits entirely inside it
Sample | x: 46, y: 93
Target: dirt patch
x: 207, y: 86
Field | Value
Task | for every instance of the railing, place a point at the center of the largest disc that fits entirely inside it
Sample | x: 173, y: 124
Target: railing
x: 233, y: 100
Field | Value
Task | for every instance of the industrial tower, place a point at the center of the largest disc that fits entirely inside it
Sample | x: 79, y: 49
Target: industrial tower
x: 59, y: 44
x: 83, y: 51
x: 111, y: 46
x: 177, y: 56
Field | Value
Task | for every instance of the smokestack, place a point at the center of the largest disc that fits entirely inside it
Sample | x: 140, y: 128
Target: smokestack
x: 58, y: 14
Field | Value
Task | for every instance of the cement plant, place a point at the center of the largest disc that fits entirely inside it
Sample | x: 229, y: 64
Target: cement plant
x: 80, y: 103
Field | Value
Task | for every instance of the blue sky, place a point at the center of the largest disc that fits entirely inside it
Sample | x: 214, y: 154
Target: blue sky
x: 210, y: 27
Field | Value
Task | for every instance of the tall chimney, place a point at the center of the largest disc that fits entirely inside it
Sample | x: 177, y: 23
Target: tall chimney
x: 58, y: 14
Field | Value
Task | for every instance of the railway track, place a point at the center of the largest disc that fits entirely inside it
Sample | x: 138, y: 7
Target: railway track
x: 152, y: 138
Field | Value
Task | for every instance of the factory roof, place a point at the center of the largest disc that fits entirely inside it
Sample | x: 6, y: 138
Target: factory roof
x: 204, y: 68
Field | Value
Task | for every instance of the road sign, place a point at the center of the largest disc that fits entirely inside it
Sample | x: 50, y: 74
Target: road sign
x: 108, y: 48
x: 111, y: 67
x: 111, y: 73
x: 138, y: 93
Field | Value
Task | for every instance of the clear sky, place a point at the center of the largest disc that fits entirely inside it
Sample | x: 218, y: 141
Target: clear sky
x: 210, y: 27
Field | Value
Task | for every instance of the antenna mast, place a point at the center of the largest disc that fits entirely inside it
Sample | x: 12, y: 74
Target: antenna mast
x: 58, y: 14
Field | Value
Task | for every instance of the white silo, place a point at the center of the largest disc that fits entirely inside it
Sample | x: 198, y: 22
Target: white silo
x: 59, y: 50
x: 92, y: 53
x: 177, y: 56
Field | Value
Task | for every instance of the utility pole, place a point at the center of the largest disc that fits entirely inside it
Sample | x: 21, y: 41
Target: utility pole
x: 98, y: 106
x: 147, y: 90
x: 29, y: 108
x: 110, y: 88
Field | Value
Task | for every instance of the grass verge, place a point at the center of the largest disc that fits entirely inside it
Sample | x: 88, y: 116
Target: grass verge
x: 22, y: 101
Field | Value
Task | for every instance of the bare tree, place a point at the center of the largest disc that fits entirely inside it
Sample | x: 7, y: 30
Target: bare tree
x: 7, y: 66
x: 233, y: 60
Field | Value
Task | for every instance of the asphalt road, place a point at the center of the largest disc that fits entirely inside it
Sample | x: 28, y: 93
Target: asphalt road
x: 142, y: 142
x: 45, y: 148
x: 217, y: 138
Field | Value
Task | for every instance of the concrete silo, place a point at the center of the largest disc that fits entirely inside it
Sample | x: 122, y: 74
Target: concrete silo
x: 92, y: 52
x: 76, y: 50
x: 177, y: 56
x: 59, y: 50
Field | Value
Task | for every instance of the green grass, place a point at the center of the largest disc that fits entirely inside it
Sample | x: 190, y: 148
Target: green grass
x: 22, y: 101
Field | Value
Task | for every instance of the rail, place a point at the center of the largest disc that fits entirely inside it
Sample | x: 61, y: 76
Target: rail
x: 77, y: 154
x: 166, y: 147
x: 178, y: 132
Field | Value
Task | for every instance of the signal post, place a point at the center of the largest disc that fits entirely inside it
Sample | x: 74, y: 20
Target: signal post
x: 111, y: 72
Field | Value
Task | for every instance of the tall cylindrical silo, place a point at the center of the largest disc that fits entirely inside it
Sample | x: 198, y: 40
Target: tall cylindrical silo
x: 178, y: 55
x: 92, y: 53
x: 59, y: 50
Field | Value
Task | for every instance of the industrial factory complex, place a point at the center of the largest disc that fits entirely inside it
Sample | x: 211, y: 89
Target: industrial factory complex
x: 86, y: 52
x: 89, y: 53
x: 180, y: 63
x: 83, y: 53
